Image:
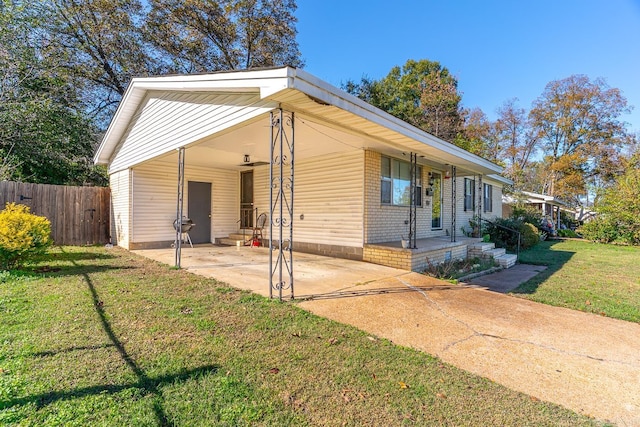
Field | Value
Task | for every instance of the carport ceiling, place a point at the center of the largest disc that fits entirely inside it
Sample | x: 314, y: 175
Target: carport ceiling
x: 312, y: 138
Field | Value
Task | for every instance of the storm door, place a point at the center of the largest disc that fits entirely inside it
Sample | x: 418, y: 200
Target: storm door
x: 246, y: 199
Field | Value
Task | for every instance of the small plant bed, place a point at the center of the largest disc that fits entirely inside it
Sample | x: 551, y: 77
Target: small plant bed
x: 453, y: 270
x: 104, y: 337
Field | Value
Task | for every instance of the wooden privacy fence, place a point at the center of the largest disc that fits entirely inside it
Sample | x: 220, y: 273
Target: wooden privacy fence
x: 78, y: 215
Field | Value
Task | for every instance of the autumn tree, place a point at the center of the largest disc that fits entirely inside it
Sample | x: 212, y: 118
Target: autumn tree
x: 207, y: 35
x: 517, y: 142
x: 422, y: 93
x: 479, y: 136
x: 580, y: 130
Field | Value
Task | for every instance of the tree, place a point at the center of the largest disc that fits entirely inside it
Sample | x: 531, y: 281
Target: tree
x: 207, y: 35
x: 98, y: 47
x: 618, y: 211
x: 578, y: 123
x: 422, y: 93
x: 479, y: 136
x: 43, y: 137
x: 516, y: 140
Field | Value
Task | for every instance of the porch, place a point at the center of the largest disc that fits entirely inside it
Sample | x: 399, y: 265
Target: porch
x: 433, y: 250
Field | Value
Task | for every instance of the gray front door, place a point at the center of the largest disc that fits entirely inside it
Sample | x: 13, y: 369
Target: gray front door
x: 199, y: 208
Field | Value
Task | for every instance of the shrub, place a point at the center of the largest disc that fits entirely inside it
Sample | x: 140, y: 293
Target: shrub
x: 602, y: 229
x: 527, y: 214
x: 529, y: 233
x: 567, y: 233
x: 22, y: 235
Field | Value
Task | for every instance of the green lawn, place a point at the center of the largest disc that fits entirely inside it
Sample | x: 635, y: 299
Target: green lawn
x: 593, y: 277
x: 91, y: 336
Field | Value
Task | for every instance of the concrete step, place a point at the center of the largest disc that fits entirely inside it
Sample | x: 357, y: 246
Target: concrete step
x: 477, y: 250
x: 481, y: 247
x: 506, y: 260
x: 495, y: 253
x: 239, y: 236
x: 230, y: 242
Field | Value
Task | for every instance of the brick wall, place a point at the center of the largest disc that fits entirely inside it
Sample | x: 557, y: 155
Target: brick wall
x: 412, y: 260
x: 384, y: 223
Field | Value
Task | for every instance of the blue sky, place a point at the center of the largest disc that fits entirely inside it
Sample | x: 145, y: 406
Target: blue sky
x: 498, y: 49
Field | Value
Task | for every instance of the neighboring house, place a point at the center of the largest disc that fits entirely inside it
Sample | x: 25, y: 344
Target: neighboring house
x: 347, y: 196
x: 548, y: 206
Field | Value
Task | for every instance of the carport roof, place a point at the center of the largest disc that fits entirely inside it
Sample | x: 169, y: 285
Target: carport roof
x: 295, y: 90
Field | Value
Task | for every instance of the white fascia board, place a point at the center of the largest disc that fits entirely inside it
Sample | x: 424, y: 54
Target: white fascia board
x: 263, y: 81
x: 325, y: 92
x: 499, y: 178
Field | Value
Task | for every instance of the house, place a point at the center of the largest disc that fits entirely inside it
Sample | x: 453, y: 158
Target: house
x: 549, y: 206
x: 335, y: 175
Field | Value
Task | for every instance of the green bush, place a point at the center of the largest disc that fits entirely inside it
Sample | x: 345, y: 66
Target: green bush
x: 527, y: 214
x: 567, y: 233
x: 602, y: 229
x: 529, y: 235
x: 22, y: 235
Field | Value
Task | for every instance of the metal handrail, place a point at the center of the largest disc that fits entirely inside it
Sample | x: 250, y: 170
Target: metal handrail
x: 508, y: 229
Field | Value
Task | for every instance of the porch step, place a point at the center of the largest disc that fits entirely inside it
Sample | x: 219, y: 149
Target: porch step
x: 506, y: 260
x: 240, y: 236
x: 229, y: 242
x: 478, y: 250
x: 494, y: 253
x: 489, y: 250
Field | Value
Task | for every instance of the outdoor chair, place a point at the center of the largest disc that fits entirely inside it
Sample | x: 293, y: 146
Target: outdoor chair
x: 256, y: 238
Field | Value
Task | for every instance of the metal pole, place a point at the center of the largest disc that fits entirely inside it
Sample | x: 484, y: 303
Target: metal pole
x: 291, y: 206
x: 280, y: 183
x: 271, y: 210
x: 179, y: 208
x: 453, y: 203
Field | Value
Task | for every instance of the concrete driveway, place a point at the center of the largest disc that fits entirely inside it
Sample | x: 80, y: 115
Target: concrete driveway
x: 585, y: 362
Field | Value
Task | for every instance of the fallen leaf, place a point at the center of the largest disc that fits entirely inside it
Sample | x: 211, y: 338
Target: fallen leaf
x: 602, y: 313
x: 333, y: 341
x: 372, y: 339
x: 535, y: 399
x: 588, y: 302
x: 441, y: 395
x: 374, y: 376
x: 403, y: 384
x: 274, y: 370
x: 296, y: 334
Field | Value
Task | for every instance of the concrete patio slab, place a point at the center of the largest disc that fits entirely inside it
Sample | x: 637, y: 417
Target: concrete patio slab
x: 585, y: 362
x: 247, y: 268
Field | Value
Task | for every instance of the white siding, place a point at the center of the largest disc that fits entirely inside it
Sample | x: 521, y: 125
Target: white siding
x: 329, y: 192
x: 174, y: 120
x: 155, y: 199
x: 120, y: 218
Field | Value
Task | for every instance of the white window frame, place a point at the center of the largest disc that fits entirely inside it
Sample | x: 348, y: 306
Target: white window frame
x: 469, y: 198
x: 394, y: 165
x: 487, y: 200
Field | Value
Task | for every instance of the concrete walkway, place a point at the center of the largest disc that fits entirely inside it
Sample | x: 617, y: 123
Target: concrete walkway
x: 585, y: 362
x: 507, y: 280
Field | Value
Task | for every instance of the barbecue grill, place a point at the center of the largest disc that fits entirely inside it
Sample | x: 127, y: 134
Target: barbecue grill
x: 187, y: 225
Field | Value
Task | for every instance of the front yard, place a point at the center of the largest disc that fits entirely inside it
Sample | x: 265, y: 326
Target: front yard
x: 91, y: 336
x: 597, y: 278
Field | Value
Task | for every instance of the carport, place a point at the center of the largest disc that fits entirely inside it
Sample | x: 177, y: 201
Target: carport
x: 290, y: 134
